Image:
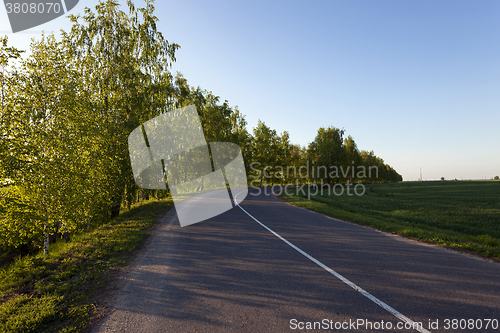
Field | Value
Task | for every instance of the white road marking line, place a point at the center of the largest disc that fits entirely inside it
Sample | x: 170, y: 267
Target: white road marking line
x: 374, y: 299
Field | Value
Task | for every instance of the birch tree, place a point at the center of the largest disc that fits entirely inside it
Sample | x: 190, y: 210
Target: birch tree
x: 123, y: 60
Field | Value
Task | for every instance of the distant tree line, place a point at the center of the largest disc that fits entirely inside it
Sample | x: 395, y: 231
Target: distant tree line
x: 68, y: 108
x: 331, y: 158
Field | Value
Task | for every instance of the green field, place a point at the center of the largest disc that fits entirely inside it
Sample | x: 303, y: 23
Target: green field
x: 463, y: 215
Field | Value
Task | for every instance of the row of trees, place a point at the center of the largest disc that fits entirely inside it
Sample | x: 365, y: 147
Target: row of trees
x: 331, y: 158
x: 66, y: 113
x: 68, y: 108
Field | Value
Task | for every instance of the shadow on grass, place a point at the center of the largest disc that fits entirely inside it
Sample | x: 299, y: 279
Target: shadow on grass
x: 58, y: 292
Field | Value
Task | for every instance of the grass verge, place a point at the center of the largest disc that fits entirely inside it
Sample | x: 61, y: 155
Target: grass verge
x: 60, y: 292
x: 462, y: 215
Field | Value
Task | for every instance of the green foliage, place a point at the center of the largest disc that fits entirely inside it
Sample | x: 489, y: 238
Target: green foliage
x: 124, y: 81
x: 20, y: 224
x: 265, y: 153
x: 460, y: 215
x: 327, y: 150
x: 39, y: 129
x: 67, y: 111
x: 220, y: 121
x: 330, y: 158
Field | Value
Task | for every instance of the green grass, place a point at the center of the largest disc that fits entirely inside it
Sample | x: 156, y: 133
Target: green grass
x: 463, y: 215
x: 61, y: 292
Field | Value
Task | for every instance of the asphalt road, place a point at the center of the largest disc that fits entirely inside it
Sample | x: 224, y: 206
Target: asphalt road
x: 231, y: 274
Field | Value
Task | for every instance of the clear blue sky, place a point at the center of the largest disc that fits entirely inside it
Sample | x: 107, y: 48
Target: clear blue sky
x: 417, y: 82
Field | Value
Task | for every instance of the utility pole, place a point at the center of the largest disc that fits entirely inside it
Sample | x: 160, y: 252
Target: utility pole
x: 421, y: 179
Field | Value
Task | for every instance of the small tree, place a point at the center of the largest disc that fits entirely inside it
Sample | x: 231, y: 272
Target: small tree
x: 496, y: 178
x: 442, y: 178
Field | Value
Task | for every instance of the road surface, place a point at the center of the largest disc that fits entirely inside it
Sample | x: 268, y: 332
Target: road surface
x: 232, y: 274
